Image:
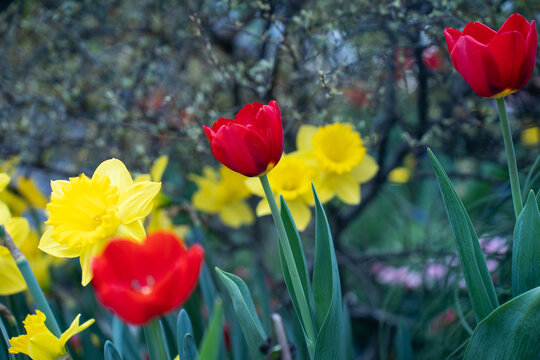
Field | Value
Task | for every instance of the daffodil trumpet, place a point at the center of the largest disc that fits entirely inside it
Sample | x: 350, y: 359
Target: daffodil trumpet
x: 31, y: 281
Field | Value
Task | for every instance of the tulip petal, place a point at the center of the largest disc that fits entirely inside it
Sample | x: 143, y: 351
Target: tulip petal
x: 247, y: 114
x: 117, y: 172
x: 240, y: 149
x: 451, y: 36
x: 52, y: 247
x: 270, y: 127
x: 136, y: 202
x: 477, y: 66
x: 366, y: 170
x: 236, y: 214
x: 508, y: 50
x: 516, y: 22
x: 480, y: 32
x: 530, y: 55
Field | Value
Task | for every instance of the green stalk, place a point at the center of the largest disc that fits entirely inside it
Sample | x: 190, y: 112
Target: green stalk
x: 510, y: 157
x: 31, y: 282
x: 154, y: 341
x: 305, y: 313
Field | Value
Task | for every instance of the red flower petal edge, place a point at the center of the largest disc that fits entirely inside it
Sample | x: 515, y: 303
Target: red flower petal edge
x: 139, y: 282
x: 494, y: 64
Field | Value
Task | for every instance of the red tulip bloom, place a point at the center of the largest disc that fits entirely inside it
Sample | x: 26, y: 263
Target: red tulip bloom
x: 139, y: 282
x: 252, y: 143
x: 494, y: 64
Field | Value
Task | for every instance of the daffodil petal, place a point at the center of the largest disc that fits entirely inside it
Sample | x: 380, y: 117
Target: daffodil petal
x: 18, y: 228
x: 87, y: 254
x: 263, y: 208
x: 73, y: 329
x: 236, y: 214
x: 205, y: 200
x: 304, y: 138
x: 142, y: 177
x: 5, y: 214
x: 117, y: 172
x: 366, y: 170
x: 158, y: 167
x: 300, y: 212
x: 136, y: 202
x: 134, y: 231
x: 4, y: 181
x: 11, y: 280
x: 347, y: 189
x: 254, y: 185
x: 50, y: 246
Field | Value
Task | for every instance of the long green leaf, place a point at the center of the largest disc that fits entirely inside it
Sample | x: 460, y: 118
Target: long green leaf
x: 298, y: 255
x: 479, y: 283
x: 403, y: 342
x: 210, y: 344
x: 5, y: 342
x: 123, y: 341
x: 510, y: 332
x: 183, y: 327
x: 189, y: 348
x: 326, y: 288
x: 110, y: 352
x: 245, y: 312
x: 526, y: 249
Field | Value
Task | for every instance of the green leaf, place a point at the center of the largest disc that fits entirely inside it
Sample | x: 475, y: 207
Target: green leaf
x: 403, y: 342
x: 326, y: 288
x: 189, y: 348
x: 110, y: 351
x: 479, y: 283
x: 208, y: 288
x: 300, y: 261
x: 123, y: 341
x: 210, y: 344
x: 347, y: 348
x: 510, y: 332
x: 245, y: 312
x: 4, y: 341
x: 526, y: 248
x: 183, y: 327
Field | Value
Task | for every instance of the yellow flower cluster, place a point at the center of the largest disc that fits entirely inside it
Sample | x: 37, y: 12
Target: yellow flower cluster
x: 332, y: 157
x: 39, y: 343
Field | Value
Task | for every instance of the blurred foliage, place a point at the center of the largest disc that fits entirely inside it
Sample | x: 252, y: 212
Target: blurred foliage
x: 83, y: 81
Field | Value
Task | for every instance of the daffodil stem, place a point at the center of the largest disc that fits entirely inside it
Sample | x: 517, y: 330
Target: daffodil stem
x: 303, y: 302
x: 31, y: 282
x: 510, y: 157
x: 154, y: 341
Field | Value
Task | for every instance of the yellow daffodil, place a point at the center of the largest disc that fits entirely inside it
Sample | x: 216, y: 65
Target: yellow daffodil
x: 531, y: 136
x: 39, y: 343
x: 291, y: 178
x: 223, y: 194
x: 341, y: 159
x: 11, y: 280
x: 28, y: 189
x: 87, y: 212
x: 402, y: 174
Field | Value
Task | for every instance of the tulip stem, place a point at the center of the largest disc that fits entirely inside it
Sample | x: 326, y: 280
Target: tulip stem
x: 303, y: 303
x: 154, y: 340
x: 31, y: 282
x: 510, y: 157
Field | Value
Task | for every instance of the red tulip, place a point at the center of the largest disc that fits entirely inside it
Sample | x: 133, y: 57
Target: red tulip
x: 139, y: 282
x: 494, y: 64
x: 252, y: 143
